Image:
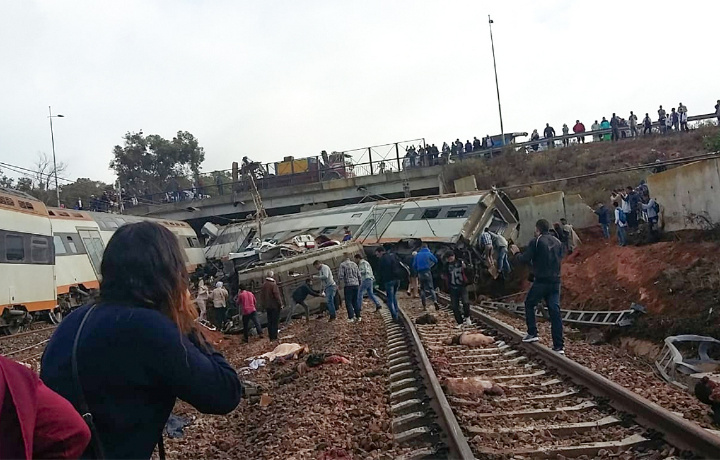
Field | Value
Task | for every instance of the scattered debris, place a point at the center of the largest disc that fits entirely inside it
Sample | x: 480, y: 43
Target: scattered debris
x: 265, y: 400
x: 286, y: 351
x: 427, y: 318
x: 175, y: 425
x: 256, y: 364
x: 373, y: 353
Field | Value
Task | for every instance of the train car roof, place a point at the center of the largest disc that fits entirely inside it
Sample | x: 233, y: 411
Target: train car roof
x: 68, y: 214
x: 14, y: 200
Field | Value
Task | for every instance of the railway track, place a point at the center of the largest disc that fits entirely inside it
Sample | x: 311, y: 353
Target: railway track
x: 26, y: 347
x: 552, y: 406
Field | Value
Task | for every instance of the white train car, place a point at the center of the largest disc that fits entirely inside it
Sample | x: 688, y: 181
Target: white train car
x: 27, y: 270
x: 78, y: 253
x: 439, y: 219
x: 327, y: 223
x: 193, y: 251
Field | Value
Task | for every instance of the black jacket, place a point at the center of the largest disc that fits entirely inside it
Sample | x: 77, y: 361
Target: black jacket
x: 545, y: 254
x: 300, y: 294
x: 133, y: 364
x: 389, y: 268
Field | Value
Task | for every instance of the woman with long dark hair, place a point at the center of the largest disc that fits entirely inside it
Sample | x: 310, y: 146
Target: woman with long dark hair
x: 127, y: 358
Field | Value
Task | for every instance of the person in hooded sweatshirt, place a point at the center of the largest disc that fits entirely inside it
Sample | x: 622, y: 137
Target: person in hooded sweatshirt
x: 138, y: 349
x: 219, y: 298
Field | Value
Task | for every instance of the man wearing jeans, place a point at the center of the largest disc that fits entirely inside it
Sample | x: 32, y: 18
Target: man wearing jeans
x: 328, y: 285
x: 621, y: 224
x: 390, y: 272
x: 368, y: 278
x: 544, y: 252
x: 349, y: 276
x: 422, y: 263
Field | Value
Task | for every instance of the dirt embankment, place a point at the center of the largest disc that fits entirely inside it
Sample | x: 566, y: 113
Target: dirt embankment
x: 678, y: 281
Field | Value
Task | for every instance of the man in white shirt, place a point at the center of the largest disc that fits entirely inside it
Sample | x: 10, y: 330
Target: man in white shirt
x: 328, y: 285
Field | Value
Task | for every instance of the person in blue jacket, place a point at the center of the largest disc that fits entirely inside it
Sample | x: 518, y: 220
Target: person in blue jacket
x: 138, y: 349
x: 423, y: 263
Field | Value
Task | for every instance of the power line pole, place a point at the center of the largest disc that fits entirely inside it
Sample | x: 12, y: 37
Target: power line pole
x: 52, y: 138
x: 497, y: 87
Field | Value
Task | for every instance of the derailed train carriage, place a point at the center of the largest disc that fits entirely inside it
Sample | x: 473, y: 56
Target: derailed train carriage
x: 446, y: 223
x: 50, y: 258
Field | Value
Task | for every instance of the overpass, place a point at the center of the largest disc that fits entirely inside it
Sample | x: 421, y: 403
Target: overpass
x: 421, y: 181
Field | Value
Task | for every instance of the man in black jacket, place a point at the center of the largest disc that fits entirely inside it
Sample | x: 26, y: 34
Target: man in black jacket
x: 389, y: 275
x: 544, y: 252
x: 299, y: 295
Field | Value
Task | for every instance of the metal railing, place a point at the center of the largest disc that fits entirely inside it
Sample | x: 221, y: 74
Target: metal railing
x: 374, y: 160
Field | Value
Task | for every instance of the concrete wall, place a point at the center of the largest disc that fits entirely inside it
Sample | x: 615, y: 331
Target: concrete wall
x: 549, y: 206
x: 465, y: 184
x: 578, y: 213
x: 552, y: 207
x: 686, y: 192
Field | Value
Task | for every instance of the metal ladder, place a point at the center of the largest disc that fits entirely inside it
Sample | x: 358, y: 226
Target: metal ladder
x: 590, y: 318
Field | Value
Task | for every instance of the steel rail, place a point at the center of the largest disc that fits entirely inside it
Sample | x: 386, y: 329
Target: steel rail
x: 27, y: 348
x: 677, y: 431
x: 446, y: 418
x: 21, y: 334
x: 457, y: 443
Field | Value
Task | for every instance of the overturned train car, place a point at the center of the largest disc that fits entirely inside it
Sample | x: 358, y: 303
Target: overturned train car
x: 446, y: 223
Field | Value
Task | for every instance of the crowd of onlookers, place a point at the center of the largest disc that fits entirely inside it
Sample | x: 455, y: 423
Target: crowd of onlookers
x: 631, y: 206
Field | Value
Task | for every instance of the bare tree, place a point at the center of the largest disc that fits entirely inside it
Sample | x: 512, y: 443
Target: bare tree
x: 44, y: 172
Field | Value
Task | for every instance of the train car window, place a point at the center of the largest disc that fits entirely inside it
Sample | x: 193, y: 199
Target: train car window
x: 14, y: 248
x: 456, y: 212
x: 71, y: 245
x: 7, y: 201
x: 431, y: 213
x: 59, y: 246
x: 410, y: 216
x: 191, y: 243
x: 39, y: 250
x: 357, y: 214
x: 328, y: 230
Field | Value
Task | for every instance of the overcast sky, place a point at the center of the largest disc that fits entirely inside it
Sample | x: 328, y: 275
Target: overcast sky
x: 273, y: 78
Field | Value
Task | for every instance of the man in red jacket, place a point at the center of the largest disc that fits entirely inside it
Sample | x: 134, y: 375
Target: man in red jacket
x: 36, y: 422
x: 578, y: 129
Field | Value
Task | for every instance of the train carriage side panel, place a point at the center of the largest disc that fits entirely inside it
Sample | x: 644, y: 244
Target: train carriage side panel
x: 78, y: 250
x: 27, y: 272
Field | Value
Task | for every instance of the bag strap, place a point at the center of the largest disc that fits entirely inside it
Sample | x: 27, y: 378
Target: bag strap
x: 82, y: 403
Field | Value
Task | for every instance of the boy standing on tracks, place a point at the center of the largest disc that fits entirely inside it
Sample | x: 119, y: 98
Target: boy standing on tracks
x: 544, y: 252
x: 457, y: 279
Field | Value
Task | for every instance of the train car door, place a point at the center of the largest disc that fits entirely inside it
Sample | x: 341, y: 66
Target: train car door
x: 376, y: 224
x: 94, y: 247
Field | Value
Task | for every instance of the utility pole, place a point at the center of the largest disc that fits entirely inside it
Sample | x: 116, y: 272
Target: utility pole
x: 52, y: 138
x: 497, y: 87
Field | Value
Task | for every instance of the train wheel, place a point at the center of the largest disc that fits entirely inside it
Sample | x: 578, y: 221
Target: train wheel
x: 55, y: 315
x: 11, y: 329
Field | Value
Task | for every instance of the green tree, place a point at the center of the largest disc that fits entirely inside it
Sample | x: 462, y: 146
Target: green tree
x: 82, y: 189
x: 153, y: 164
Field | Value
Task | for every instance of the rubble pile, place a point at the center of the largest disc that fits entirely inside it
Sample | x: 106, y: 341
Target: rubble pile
x: 331, y: 401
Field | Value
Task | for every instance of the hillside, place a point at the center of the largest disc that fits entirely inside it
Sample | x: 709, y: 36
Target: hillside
x: 514, y: 168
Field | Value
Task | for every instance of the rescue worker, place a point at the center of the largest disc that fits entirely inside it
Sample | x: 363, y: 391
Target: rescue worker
x: 138, y: 349
x: 544, y: 252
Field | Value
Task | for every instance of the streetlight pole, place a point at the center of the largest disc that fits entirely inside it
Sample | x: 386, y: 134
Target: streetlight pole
x: 497, y: 87
x: 52, y: 138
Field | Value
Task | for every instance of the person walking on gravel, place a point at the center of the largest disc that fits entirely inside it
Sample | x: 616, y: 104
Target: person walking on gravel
x: 544, y: 252
x: 422, y: 264
x: 246, y: 302
x: 368, y: 278
x: 328, y: 285
x: 349, y: 276
x: 457, y: 280
x: 271, y: 300
x: 390, y: 273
